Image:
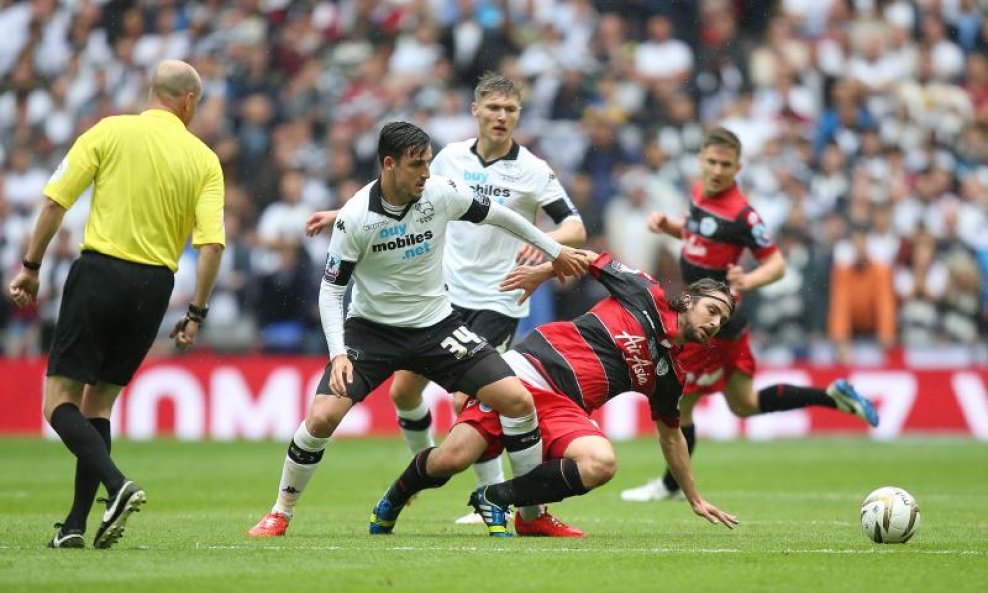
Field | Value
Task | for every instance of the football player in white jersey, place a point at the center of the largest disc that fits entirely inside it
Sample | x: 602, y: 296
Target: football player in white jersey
x: 389, y: 239
x: 478, y: 258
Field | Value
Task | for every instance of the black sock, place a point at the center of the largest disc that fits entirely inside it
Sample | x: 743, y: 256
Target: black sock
x: 413, y: 480
x: 87, y: 445
x: 781, y: 397
x: 86, y: 482
x: 552, y: 481
x: 689, y: 432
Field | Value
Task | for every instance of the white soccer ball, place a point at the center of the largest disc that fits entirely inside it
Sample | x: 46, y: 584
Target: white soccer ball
x: 890, y: 515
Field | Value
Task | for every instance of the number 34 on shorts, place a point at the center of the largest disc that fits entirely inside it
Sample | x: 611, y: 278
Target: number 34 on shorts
x: 463, y: 342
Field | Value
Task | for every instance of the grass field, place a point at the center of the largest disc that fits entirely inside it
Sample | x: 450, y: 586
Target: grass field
x: 798, y: 501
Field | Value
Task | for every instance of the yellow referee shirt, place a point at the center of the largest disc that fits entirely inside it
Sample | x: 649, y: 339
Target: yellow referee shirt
x: 153, y: 181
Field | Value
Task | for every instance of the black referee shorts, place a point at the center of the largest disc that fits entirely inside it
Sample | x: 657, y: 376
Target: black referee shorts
x: 449, y: 353
x: 499, y: 329
x: 110, y: 314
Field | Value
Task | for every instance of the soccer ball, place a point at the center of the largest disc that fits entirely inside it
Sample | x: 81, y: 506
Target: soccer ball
x: 890, y: 515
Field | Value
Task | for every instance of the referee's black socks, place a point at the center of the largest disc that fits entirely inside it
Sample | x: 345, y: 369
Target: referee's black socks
x: 86, y: 482
x: 85, y: 442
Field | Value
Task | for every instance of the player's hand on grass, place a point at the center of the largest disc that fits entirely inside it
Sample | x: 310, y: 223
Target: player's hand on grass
x: 713, y: 514
x: 342, y: 375
x: 318, y: 221
x: 24, y: 287
x: 185, y: 332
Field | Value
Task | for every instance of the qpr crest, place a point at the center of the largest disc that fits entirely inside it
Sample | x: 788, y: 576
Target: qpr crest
x: 708, y: 226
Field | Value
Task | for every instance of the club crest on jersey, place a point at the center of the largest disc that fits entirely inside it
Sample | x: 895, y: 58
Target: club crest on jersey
x: 708, y: 226
x: 426, y: 209
x: 333, y: 263
x: 661, y: 366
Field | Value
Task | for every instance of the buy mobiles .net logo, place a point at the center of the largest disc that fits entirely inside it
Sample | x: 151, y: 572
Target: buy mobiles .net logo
x: 398, y: 237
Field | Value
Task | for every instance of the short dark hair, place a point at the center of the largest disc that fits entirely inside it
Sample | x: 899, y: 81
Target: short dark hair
x: 704, y: 287
x: 492, y: 83
x: 721, y: 136
x: 400, y: 138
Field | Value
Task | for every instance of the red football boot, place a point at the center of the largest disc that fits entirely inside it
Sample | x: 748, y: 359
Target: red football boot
x: 545, y: 525
x: 271, y: 525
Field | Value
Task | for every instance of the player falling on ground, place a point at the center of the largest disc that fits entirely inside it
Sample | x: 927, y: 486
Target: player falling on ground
x: 389, y: 238
x: 719, y: 227
x: 478, y: 258
x: 628, y: 341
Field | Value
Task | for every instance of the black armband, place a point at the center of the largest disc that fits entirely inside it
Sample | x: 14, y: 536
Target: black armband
x: 30, y: 265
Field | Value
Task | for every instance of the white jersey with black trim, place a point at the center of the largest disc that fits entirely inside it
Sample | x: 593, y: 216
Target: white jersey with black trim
x: 478, y: 258
x: 395, y: 261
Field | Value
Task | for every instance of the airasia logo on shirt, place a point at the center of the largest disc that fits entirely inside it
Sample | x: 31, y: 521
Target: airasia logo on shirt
x: 634, y: 356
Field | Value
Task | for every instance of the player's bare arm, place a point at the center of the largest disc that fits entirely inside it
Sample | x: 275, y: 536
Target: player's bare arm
x: 769, y: 270
x: 318, y: 221
x: 659, y: 223
x: 570, y: 232
x: 677, y: 457
x: 528, y: 278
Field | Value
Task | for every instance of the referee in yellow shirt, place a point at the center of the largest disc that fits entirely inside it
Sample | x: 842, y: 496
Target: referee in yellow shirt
x: 154, y: 184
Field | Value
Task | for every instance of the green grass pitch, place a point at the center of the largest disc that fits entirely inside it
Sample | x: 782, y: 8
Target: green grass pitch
x: 798, y: 502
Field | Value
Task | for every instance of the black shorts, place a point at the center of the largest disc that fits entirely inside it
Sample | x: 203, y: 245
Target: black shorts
x: 448, y: 353
x: 110, y: 314
x: 499, y: 329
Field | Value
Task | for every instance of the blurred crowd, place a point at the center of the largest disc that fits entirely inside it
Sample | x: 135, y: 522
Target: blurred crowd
x: 864, y: 124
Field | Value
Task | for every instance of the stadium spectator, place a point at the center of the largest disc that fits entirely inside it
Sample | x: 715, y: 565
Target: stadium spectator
x: 862, y: 299
x: 155, y: 185
x: 560, y: 363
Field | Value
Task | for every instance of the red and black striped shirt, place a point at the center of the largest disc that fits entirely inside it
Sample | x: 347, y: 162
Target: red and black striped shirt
x: 626, y: 342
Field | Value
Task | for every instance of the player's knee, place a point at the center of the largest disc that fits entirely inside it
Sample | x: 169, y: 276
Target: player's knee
x: 597, y: 468
x: 405, y: 398
x: 322, y: 419
x: 743, y: 408
x: 509, y: 397
x: 448, y: 460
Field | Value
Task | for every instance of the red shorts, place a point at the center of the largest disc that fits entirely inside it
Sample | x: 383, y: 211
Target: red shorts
x: 707, y: 366
x: 561, y: 420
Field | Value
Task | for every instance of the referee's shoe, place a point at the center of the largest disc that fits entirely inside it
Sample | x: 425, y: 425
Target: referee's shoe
x: 127, y: 500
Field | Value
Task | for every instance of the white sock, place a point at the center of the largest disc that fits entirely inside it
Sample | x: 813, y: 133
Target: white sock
x: 489, y: 472
x: 303, y: 458
x: 416, y: 426
x: 529, y: 513
x: 527, y: 444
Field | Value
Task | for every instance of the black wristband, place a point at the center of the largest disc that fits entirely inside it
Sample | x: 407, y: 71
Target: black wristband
x: 30, y: 265
x: 197, y: 313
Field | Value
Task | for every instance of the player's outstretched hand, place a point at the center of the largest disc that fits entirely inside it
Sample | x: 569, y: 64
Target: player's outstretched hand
x: 527, y: 279
x: 24, y: 288
x: 529, y: 255
x: 714, y: 515
x: 184, y: 333
x: 571, y: 262
x: 657, y: 222
x: 342, y: 375
x: 319, y: 221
